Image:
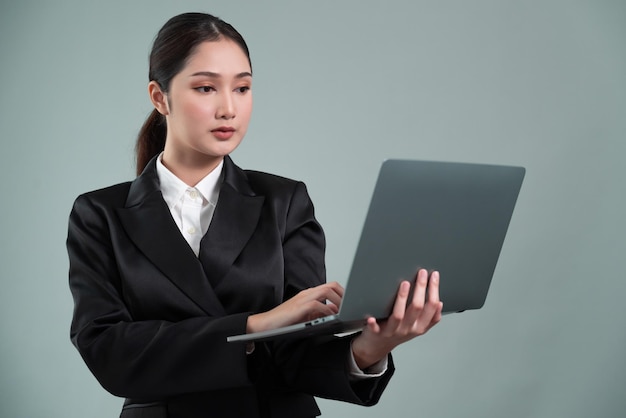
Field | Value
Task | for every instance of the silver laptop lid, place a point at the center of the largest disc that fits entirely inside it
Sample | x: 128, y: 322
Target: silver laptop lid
x: 450, y: 217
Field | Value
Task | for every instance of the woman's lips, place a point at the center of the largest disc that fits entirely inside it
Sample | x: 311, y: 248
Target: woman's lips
x: 223, y: 132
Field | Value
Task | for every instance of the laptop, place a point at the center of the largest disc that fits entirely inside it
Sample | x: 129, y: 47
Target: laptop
x: 444, y: 216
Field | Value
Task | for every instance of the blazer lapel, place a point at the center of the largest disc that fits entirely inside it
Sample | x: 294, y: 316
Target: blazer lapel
x: 149, y: 224
x: 234, y: 221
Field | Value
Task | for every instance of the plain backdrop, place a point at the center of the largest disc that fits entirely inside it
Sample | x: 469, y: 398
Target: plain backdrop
x: 339, y: 86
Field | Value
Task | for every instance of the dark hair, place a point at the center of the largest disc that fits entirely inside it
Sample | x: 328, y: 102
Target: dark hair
x: 174, y: 44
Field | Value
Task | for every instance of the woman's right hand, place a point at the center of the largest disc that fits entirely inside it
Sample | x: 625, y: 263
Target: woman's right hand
x: 307, y: 305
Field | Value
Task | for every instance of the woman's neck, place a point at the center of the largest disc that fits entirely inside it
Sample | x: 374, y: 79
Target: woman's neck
x: 190, y: 169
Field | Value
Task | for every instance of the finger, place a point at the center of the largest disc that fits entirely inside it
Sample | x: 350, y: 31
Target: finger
x: 327, y: 291
x: 433, y: 304
x: 372, y: 325
x: 419, y: 314
x: 431, y: 313
x: 419, y: 294
x: 433, y: 288
x: 438, y: 314
x: 316, y: 309
x: 333, y: 307
x: 337, y: 288
x: 334, y: 293
x: 436, y: 317
x: 399, y: 307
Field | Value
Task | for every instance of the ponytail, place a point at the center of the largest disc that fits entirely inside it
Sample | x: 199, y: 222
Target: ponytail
x: 151, y: 139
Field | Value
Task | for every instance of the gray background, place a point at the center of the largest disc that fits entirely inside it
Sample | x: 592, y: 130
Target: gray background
x: 339, y: 86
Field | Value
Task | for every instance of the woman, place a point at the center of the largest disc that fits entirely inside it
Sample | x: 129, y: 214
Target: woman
x: 157, y: 290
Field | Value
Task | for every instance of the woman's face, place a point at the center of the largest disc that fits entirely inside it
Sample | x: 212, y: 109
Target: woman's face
x: 209, y: 103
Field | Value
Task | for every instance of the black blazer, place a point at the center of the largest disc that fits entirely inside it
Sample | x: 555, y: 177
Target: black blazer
x: 151, y: 319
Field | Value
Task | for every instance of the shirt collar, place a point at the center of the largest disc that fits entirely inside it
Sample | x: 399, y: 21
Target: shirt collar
x: 173, y: 188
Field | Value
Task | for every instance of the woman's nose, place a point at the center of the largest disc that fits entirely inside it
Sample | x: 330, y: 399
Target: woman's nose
x: 226, y: 107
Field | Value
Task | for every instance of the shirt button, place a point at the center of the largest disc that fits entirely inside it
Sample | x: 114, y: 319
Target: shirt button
x: 191, y: 230
x: 193, y: 194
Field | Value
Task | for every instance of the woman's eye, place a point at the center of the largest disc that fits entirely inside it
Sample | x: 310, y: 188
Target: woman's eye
x: 204, y: 89
x: 242, y: 89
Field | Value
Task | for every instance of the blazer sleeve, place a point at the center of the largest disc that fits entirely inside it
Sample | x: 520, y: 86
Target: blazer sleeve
x: 317, y: 366
x: 144, y: 359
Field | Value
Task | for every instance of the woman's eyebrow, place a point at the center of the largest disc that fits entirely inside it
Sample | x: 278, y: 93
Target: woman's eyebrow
x: 218, y: 75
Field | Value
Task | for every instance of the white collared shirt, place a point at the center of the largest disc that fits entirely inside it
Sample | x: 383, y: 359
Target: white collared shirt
x: 191, y: 207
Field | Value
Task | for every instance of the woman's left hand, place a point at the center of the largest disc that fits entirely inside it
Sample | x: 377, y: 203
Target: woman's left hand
x: 407, y: 321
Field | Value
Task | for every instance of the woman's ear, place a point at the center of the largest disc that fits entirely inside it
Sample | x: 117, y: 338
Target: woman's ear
x: 158, y: 98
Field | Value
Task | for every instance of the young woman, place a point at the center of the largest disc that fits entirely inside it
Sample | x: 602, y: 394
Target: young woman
x: 195, y: 249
